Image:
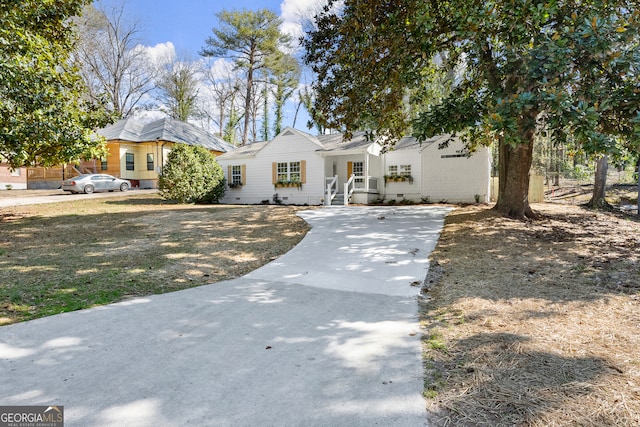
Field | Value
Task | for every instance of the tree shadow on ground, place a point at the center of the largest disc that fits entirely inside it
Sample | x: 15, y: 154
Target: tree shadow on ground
x: 534, y: 323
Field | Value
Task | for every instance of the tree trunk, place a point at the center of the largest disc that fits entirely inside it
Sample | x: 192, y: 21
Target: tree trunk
x: 598, y: 197
x: 513, y: 188
x: 638, y: 185
x: 247, y: 105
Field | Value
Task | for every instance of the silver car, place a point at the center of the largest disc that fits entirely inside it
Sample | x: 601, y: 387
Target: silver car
x: 88, y: 183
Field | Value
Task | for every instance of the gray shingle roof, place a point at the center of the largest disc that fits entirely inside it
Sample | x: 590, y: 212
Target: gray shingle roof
x: 245, y: 150
x: 165, y: 129
x: 335, y: 142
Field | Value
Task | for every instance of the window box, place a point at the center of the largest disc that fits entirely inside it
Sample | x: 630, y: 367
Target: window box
x: 398, y: 178
x: 280, y: 184
x: 235, y: 185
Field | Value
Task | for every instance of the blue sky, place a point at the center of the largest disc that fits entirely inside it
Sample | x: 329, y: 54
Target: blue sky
x: 186, y: 23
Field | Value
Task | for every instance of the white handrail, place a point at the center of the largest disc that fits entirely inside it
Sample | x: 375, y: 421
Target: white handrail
x: 348, y: 192
x: 332, y: 190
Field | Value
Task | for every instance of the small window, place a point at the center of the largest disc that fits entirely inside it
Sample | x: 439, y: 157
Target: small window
x: 103, y: 165
x: 393, y: 170
x: 405, y: 170
x: 236, y: 175
x: 149, y: 161
x: 15, y: 172
x: 130, y: 162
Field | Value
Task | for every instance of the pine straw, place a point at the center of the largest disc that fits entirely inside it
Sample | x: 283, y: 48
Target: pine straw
x: 534, y: 324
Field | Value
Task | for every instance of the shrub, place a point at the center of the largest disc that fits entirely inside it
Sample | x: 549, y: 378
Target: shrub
x: 191, y: 175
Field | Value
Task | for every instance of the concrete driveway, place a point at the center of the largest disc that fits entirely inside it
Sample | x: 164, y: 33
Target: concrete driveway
x: 326, y: 335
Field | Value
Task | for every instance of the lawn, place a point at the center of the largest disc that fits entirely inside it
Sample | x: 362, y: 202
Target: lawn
x: 68, y: 256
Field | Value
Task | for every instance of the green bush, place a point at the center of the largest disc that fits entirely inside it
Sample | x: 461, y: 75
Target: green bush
x: 191, y: 175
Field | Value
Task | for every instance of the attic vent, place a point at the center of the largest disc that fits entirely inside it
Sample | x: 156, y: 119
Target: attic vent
x: 288, y: 133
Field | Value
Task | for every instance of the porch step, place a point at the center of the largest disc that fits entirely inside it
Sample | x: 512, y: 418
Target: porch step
x: 338, y: 200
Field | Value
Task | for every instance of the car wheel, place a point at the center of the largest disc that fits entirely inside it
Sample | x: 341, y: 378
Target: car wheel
x: 88, y: 189
x: 124, y: 186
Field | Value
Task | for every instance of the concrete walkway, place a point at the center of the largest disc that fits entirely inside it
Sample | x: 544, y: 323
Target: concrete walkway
x: 326, y: 335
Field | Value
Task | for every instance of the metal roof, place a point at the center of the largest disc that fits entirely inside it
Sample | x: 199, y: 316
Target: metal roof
x: 166, y: 129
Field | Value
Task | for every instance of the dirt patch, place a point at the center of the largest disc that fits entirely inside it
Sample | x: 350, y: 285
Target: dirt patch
x: 534, y: 323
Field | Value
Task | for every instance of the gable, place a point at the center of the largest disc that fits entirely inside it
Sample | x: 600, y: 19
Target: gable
x: 291, y: 142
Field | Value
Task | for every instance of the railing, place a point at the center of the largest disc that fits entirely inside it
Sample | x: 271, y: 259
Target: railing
x: 349, y: 186
x: 332, y: 189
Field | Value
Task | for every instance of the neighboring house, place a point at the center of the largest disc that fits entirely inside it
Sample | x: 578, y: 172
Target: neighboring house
x: 298, y: 168
x: 136, y: 151
x: 12, y: 179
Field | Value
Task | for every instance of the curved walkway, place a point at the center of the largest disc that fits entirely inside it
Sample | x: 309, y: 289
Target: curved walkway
x: 326, y: 335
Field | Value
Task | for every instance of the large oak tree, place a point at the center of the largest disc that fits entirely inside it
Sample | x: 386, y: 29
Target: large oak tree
x: 521, y: 66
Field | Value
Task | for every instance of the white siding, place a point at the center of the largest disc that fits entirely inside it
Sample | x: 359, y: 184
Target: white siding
x: 259, y: 187
x: 402, y: 190
x: 455, y: 179
x: 437, y: 174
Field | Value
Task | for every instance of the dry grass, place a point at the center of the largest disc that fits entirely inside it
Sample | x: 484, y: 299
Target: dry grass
x: 86, y: 252
x: 534, y: 324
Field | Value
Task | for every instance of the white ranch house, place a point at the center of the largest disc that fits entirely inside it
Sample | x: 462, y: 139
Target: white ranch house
x: 305, y: 169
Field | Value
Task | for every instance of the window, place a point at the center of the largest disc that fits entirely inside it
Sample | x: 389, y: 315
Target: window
x: 130, y: 162
x: 103, y: 165
x: 149, y: 161
x: 15, y: 172
x: 402, y: 170
x: 236, y: 175
x: 399, y: 173
x: 283, y: 172
x: 289, y: 172
x: 358, y: 168
x: 294, y: 171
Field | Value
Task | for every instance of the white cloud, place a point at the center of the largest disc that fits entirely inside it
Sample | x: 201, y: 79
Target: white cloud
x: 160, y: 53
x: 298, y: 14
x: 221, y: 68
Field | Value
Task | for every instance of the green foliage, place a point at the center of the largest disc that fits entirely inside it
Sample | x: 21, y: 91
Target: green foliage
x: 191, y: 175
x: 41, y: 118
x: 503, y: 70
x: 178, y: 84
x: 252, y: 39
x: 285, y: 76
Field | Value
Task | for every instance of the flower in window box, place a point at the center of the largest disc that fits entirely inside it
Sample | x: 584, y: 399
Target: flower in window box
x: 235, y: 185
x: 292, y: 183
x: 398, y: 178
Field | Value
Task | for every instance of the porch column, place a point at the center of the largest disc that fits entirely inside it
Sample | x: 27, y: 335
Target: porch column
x: 366, y: 172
